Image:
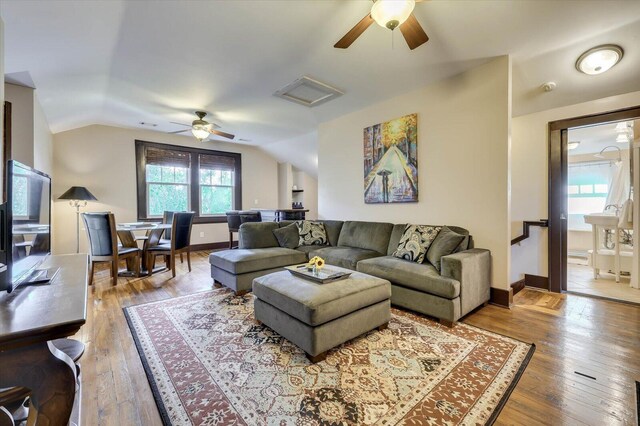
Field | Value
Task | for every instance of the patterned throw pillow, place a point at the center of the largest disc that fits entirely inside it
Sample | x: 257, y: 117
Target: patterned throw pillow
x: 311, y: 233
x: 415, y: 242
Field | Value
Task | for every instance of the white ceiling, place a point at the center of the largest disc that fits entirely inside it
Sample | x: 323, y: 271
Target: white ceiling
x: 119, y: 63
x: 593, y: 138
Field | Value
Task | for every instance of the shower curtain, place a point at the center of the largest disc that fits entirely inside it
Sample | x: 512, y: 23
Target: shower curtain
x: 619, y: 184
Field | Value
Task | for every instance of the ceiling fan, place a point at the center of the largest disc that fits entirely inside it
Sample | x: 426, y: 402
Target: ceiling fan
x: 390, y: 14
x: 201, y: 129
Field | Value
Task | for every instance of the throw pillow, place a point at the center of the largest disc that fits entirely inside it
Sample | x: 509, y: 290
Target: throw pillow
x: 445, y: 243
x: 311, y: 233
x: 287, y: 236
x: 415, y: 242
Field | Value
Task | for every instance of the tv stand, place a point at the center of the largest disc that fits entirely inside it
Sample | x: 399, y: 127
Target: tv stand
x: 35, y: 317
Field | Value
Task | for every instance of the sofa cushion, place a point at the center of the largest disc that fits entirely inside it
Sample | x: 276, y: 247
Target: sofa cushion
x: 366, y: 235
x: 443, y: 245
x: 254, y: 235
x: 345, y: 257
x: 333, y: 228
x: 316, y: 304
x: 415, y: 242
x: 308, y: 249
x: 466, y: 243
x: 241, y: 261
x: 423, y: 277
x: 287, y: 236
x: 394, y: 240
x: 311, y: 233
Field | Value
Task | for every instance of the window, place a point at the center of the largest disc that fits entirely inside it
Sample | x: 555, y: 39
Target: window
x: 176, y: 178
x: 588, y: 190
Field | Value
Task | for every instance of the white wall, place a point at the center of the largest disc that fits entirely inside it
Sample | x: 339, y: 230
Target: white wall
x: 529, y: 177
x: 1, y: 94
x: 463, y: 157
x: 102, y: 158
x: 285, y: 181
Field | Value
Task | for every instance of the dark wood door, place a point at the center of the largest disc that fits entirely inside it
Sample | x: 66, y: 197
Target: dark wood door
x: 558, y: 184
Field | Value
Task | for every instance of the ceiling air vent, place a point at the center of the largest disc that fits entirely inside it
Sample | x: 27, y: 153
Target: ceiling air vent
x: 308, y: 92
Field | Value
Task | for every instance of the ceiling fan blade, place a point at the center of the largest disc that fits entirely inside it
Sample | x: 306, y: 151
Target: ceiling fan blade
x: 413, y: 32
x: 179, y: 131
x: 223, y: 134
x: 354, y: 33
x: 180, y: 124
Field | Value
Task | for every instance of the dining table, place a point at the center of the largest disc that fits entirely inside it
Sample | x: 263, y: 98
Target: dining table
x: 128, y: 238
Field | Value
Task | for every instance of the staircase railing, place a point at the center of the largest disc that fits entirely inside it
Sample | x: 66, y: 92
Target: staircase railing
x: 543, y: 223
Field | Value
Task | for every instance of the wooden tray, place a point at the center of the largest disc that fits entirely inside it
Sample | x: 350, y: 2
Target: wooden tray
x: 325, y: 275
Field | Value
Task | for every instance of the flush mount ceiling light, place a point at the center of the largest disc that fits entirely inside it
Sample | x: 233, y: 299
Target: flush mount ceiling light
x: 573, y: 145
x: 599, y: 59
x: 622, y: 138
x: 391, y: 13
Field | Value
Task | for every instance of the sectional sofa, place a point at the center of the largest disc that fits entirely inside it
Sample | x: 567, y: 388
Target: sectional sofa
x: 462, y: 284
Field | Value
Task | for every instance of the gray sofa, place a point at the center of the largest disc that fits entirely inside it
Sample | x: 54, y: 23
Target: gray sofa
x: 462, y: 285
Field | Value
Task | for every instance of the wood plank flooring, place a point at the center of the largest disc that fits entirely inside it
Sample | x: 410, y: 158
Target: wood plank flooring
x: 597, y: 338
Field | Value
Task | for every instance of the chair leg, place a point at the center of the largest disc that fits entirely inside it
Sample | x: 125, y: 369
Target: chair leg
x: 167, y: 262
x: 181, y: 259
x: 188, y: 260
x: 114, y: 272
x: 230, y: 240
x: 173, y: 265
x: 91, y: 271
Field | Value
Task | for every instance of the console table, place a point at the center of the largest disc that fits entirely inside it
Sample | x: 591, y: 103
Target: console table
x: 278, y: 215
x: 30, y: 319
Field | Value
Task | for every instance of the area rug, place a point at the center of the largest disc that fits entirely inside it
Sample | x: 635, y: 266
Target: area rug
x: 209, y: 363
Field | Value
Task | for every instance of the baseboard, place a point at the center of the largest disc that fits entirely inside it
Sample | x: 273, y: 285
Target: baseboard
x: 536, y: 281
x: 501, y: 297
x: 212, y: 246
x: 518, y: 286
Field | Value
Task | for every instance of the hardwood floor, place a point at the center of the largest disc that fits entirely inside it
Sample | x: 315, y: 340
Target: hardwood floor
x: 573, y: 334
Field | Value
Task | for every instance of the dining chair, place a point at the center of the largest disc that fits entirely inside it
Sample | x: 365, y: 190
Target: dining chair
x: 233, y: 222
x: 103, y: 244
x: 180, y: 242
x: 167, y: 219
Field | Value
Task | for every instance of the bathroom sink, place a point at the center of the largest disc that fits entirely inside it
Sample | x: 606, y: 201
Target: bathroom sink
x: 602, y: 219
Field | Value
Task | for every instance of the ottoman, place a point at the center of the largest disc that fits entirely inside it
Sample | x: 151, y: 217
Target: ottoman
x: 318, y: 317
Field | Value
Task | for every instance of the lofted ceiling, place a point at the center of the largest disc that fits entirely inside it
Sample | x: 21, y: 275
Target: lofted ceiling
x: 122, y: 62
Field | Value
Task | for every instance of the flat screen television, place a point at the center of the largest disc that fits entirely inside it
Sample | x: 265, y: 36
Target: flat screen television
x: 25, y: 227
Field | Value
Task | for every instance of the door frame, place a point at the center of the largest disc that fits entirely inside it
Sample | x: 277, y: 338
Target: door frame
x: 558, y: 181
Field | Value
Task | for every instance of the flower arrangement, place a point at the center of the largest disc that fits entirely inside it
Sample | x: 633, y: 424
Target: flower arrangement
x: 315, y: 263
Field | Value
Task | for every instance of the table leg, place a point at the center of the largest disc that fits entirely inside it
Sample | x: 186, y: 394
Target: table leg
x: 128, y: 239
x: 50, y: 375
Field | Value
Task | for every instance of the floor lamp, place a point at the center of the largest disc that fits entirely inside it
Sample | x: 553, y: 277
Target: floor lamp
x: 78, y: 197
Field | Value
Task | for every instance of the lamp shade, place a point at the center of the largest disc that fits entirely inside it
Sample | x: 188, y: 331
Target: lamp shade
x: 78, y: 193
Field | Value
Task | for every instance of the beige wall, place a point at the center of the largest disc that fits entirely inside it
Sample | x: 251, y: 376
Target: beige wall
x: 529, y: 177
x: 463, y: 157
x: 22, y: 124
x: 309, y: 197
x: 2, y: 96
x: 42, y: 139
x: 102, y: 158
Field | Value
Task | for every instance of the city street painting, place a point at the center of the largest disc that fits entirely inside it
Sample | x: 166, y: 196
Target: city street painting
x: 391, y: 161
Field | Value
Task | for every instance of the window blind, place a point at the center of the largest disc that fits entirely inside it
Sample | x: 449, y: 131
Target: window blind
x: 217, y: 162
x: 166, y: 157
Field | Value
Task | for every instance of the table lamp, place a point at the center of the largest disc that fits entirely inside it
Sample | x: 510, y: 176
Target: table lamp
x: 78, y: 197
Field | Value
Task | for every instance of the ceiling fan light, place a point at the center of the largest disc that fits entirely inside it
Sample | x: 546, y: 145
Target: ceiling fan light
x: 200, y: 132
x: 392, y: 13
x: 599, y: 59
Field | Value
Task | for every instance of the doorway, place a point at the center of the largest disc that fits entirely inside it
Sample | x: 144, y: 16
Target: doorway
x: 591, y: 205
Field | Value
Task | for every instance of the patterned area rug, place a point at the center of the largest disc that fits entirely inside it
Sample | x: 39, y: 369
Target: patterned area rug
x: 209, y: 363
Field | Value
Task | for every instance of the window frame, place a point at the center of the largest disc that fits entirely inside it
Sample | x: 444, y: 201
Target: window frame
x: 194, y: 180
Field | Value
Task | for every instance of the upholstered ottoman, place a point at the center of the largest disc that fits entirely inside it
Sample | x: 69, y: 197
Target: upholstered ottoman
x: 318, y: 317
